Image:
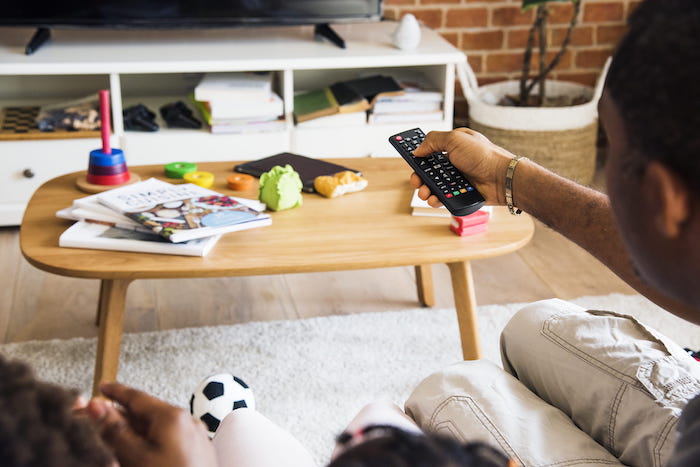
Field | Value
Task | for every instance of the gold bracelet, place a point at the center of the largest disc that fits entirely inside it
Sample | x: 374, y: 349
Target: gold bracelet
x: 509, y: 185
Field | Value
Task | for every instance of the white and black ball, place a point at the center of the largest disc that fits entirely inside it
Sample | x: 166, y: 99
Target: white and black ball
x: 216, y: 396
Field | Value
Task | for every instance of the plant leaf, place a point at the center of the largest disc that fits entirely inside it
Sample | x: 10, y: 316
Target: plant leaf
x: 527, y: 4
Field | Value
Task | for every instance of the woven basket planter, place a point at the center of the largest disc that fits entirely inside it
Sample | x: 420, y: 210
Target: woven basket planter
x: 569, y: 153
x: 563, y: 139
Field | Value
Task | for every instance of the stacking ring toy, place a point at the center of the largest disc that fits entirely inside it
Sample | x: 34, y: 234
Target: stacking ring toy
x: 179, y: 169
x: 107, y: 169
x: 117, y: 179
x: 203, y: 179
x: 239, y: 182
x: 98, y: 157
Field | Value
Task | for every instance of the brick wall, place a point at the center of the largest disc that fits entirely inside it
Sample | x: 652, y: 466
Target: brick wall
x: 493, y: 33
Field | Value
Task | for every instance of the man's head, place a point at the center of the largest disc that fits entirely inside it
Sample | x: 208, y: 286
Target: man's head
x: 650, y: 114
x: 38, y: 426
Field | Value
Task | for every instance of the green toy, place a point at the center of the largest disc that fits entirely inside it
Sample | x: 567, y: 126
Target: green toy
x: 280, y: 188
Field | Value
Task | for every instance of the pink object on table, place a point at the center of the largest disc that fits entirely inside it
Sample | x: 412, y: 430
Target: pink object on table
x: 104, y: 116
x: 471, y: 224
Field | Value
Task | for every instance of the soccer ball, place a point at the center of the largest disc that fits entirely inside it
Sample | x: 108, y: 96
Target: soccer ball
x: 216, y: 396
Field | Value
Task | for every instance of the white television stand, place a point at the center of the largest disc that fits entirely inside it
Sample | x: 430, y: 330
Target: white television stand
x: 157, y: 67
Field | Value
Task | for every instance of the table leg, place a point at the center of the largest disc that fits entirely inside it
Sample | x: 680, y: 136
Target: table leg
x: 465, y: 305
x: 100, y: 302
x: 111, y: 320
x: 424, y: 282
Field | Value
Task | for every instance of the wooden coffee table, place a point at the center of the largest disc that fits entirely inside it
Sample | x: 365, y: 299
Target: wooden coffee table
x: 369, y: 229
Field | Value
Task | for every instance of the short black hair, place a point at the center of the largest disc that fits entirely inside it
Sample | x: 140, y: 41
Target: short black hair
x: 400, y: 448
x: 654, y: 80
x: 38, y: 426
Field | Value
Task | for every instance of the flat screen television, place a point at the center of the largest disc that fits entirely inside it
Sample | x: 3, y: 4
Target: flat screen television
x: 133, y: 14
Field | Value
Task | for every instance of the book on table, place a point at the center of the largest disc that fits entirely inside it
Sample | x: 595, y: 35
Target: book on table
x: 113, y: 219
x: 102, y: 236
x: 420, y: 207
x: 92, y: 205
x: 182, y: 212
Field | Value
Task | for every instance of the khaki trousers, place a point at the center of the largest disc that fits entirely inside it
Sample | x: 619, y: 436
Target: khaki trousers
x: 581, y: 387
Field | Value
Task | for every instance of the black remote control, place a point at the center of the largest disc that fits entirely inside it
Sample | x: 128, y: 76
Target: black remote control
x: 438, y: 173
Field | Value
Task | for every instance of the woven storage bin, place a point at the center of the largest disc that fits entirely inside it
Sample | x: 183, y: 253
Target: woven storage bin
x: 563, y: 139
x: 569, y: 153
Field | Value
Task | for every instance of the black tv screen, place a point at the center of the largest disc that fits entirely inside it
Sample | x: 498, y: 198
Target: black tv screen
x: 184, y: 13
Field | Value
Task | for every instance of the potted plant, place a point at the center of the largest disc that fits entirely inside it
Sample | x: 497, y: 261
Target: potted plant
x: 552, y: 122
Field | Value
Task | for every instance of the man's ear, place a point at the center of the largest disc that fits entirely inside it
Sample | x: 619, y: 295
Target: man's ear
x: 670, y: 193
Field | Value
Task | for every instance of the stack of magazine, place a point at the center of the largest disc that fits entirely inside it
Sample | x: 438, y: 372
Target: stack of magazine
x: 153, y: 216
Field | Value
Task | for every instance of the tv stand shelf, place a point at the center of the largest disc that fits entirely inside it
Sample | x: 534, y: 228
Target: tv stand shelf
x: 157, y: 67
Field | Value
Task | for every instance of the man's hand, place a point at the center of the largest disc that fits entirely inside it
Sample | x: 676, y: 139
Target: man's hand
x: 146, y: 431
x: 482, y: 162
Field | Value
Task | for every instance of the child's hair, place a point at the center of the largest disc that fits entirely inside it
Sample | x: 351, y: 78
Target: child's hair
x: 395, y: 447
x: 38, y: 426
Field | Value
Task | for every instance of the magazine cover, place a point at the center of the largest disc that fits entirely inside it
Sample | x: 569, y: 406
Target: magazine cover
x: 111, y: 218
x: 183, y: 212
x: 146, y: 194
x: 190, y: 218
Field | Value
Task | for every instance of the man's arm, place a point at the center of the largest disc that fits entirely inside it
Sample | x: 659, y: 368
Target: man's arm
x: 581, y: 214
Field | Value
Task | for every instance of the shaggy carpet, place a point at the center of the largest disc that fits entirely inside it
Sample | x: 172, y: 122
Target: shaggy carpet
x: 310, y: 376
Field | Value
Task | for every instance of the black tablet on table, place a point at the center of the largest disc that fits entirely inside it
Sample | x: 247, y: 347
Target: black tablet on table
x: 307, y: 167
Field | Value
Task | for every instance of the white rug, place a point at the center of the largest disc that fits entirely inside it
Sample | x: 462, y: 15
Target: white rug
x: 310, y: 376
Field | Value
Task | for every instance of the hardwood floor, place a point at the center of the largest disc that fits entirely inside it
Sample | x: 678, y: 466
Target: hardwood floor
x: 39, y: 305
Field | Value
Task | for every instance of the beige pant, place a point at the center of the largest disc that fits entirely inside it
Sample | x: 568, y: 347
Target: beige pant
x: 582, y: 388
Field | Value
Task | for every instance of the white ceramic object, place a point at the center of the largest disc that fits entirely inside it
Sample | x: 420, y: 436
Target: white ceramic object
x: 407, y: 34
